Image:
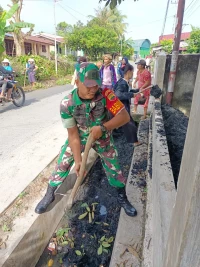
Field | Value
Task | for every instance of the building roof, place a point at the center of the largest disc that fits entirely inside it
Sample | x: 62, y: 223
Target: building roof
x: 33, y: 39
x: 39, y: 40
x: 137, y: 44
x: 184, y: 36
x: 51, y: 37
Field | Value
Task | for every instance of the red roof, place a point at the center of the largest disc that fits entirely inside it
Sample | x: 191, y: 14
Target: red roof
x: 39, y: 40
x: 184, y: 36
x: 49, y: 37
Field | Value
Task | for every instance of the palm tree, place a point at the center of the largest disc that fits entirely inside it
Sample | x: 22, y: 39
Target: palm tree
x: 109, y: 18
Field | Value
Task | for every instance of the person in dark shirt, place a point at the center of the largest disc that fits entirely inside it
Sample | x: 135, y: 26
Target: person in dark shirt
x: 5, y: 84
x: 121, y: 67
x: 121, y: 90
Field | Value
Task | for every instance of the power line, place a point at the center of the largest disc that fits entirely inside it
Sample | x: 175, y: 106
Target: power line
x: 193, y: 12
x: 165, y: 18
x: 191, y: 7
x: 75, y: 11
x: 68, y: 12
x: 150, y: 22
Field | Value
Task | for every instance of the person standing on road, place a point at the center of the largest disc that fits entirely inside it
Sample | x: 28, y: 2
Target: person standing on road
x: 144, y: 80
x: 77, y: 65
x: 148, y: 62
x: 31, y: 69
x: 107, y: 73
x: 121, y: 90
x: 122, y: 66
x: 85, y: 111
x: 99, y: 64
x: 118, y: 68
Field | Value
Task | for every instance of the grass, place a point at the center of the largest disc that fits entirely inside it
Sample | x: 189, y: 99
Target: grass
x: 63, y: 81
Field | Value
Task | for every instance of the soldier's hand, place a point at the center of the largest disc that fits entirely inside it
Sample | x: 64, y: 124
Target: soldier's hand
x: 77, y: 167
x: 96, y: 132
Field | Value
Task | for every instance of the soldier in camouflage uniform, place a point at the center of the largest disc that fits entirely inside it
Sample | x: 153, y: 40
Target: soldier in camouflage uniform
x: 84, y: 111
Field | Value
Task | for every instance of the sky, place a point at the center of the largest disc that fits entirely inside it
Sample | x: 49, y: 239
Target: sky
x: 144, y: 17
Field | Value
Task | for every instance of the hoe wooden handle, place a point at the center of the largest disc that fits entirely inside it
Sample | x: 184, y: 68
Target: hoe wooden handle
x: 81, y: 177
x: 143, y: 90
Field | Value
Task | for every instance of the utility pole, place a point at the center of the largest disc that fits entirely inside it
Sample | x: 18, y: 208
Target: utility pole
x: 167, y: 8
x: 175, y: 52
x: 56, y: 62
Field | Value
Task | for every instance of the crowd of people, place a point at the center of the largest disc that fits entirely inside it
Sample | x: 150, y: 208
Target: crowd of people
x: 90, y: 109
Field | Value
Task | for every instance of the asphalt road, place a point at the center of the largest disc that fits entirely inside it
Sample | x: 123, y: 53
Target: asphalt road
x: 31, y: 137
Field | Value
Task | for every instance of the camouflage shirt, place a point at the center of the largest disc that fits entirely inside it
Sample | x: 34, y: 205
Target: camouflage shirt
x: 84, y: 113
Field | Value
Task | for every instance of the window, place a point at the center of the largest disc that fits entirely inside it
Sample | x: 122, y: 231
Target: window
x: 10, y: 48
x: 44, y: 48
x: 28, y: 48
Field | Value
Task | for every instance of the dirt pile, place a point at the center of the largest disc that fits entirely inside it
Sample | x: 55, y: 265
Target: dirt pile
x: 175, y: 123
x: 156, y: 91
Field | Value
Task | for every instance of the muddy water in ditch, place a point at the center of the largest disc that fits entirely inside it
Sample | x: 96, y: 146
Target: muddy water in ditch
x: 87, y: 236
x: 175, y: 123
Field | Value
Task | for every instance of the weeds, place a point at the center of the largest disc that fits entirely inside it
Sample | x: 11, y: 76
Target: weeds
x: 105, y: 243
x: 63, y: 81
x: 89, y: 211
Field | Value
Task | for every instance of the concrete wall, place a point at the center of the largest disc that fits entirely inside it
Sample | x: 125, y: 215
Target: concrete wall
x: 163, y: 188
x: 184, y: 235
x: 185, y: 80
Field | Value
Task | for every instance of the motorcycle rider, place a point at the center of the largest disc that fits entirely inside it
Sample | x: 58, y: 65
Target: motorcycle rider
x: 4, y: 83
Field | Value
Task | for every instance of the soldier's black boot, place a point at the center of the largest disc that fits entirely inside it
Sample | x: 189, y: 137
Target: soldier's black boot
x: 47, y: 200
x: 123, y: 201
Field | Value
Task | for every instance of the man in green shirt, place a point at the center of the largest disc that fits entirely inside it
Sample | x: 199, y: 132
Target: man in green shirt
x: 85, y: 111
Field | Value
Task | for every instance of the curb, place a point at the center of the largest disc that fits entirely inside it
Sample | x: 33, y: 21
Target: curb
x: 32, y: 232
x: 130, y: 232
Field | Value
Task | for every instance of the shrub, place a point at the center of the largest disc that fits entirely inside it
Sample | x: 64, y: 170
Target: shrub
x: 46, y: 67
x: 63, y: 81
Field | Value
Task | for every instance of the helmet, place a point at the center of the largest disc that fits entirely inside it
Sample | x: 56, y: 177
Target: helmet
x: 31, y: 60
x: 6, y: 61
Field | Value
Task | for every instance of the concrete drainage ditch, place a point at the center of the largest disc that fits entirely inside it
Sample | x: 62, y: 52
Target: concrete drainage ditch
x: 134, y: 242
x: 93, y: 220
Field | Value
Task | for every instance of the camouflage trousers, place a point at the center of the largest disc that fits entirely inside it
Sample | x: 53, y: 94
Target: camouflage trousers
x: 105, y: 149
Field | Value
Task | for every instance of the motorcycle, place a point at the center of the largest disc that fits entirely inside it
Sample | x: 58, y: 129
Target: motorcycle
x: 17, y: 94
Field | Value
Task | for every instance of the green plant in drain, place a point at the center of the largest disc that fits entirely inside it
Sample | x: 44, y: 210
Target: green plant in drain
x: 89, y: 211
x: 79, y: 252
x: 63, y: 238
x: 104, y: 244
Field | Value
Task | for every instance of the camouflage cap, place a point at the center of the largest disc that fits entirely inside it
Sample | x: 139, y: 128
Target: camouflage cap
x: 88, y: 74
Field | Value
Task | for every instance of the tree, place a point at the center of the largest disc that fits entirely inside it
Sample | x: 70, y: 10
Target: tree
x: 18, y: 35
x: 194, y: 41
x: 127, y: 47
x: 5, y: 16
x: 167, y: 45
x: 1, y: 10
x: 108, y: 18
x: 64, y: 28
x: 113, y: 3
x: 94, y: 40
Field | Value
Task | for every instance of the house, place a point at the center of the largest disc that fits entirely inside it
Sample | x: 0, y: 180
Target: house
x: 60, y: 44
x: 32, y: 45
x: 183, y: 43
x: 41, y: 44
x: 141, y: 47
